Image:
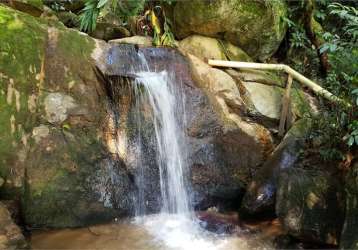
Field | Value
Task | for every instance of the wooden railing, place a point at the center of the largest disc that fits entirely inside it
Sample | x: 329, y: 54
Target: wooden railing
x: 292, y: 74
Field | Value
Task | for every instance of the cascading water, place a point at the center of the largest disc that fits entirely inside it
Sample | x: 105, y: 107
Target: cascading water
x: 175, y: 227
x: 169, y: 138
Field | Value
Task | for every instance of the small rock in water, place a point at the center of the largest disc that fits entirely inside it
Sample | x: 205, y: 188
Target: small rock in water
x: 218, y: 223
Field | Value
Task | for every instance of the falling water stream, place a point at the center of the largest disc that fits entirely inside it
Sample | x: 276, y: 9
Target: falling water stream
x: 169, y: 139
x: 175, y: 226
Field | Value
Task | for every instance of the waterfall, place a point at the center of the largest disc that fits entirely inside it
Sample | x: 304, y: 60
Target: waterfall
x: 158, y: 155
x: 167, y: 118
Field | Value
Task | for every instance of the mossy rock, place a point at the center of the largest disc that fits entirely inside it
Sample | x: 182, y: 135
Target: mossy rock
x: 69, y: 19
x: 71, y: 182
x: 32, y: 7
x: 52, y: 109
x: 309, y: 205
x: 255, y: 26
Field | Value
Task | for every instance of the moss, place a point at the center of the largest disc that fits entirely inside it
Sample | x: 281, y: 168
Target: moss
x: 22, y: 44
x: 24, y: 48
x: 76, y: 45
x: 252, y: 8
x: 301, y: 107
x: 58, y: 190
x: 67, y: 68
x: 35, y: 3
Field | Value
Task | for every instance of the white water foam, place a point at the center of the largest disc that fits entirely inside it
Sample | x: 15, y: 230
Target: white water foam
x: 181, y: 232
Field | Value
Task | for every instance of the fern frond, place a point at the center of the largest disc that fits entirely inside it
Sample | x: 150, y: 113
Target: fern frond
x: 90, y: 14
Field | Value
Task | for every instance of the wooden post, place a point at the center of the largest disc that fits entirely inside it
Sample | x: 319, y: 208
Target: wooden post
x: 285, y: 106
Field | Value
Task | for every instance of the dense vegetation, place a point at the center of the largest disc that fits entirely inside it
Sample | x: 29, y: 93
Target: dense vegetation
x: 336, y: 27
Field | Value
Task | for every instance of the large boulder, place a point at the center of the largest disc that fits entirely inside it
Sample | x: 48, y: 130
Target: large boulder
x: 51, y: 126
x: 309, y: 204
x: 210, y: 48
x: 349, y: 237
x: 224, y: 149
x: 261, y: 193
x: 242, y: 144
x: 255, y: 26
x: 11, y: 236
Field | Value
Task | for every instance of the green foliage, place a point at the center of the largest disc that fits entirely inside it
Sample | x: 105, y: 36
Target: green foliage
x: 349, y: 15
x: 94, y: 8
x: 297, y: 35
x: 337, y: 125
x: 90, y: 14
x: 123, y: 9
x: 165, y: 37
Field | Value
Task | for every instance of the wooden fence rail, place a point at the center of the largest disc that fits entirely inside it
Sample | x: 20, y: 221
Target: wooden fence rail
x: 292, y: 74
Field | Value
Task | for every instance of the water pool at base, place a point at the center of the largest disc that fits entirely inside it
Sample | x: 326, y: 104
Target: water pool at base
x: 154, y: 232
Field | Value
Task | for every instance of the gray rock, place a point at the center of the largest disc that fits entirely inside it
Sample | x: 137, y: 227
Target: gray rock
x: 109, y: 31
x: 40, y: 132
x: 224, y: 148
x: 69, y: 169
x: 265, y: 99
x: 58, y: 106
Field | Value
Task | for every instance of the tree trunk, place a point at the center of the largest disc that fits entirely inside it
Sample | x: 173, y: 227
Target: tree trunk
x: 310, y: 25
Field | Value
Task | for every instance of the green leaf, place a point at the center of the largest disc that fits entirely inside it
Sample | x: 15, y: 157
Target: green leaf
x: 101, y: 3
x: 350, y: 141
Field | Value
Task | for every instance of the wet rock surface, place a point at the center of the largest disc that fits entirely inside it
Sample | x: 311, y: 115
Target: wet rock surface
x: 310, y: 205
x: 261, y: 192
x: 221, y: 144
x: 139, y: 40
x: 349, y: 237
